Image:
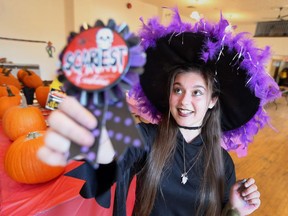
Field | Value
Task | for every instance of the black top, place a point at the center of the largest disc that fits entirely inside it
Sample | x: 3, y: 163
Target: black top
x: 174, y: 197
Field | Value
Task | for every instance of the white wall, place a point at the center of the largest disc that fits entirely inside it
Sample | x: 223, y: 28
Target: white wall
x: 53, y: 20
x: 279, y: 45
x: 40, y: 20
x: 90, y: 10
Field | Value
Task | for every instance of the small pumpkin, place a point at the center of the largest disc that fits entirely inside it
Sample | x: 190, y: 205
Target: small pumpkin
x: 4, y: 92
x: 32, y: 80
x: 6, y: 77
x: 22, y: 164
x: 42, y: 93
x: 18, y: 121
x: 6, y: 102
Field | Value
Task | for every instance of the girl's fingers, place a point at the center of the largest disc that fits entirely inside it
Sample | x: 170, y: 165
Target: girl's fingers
x: 71, y: 107
x: 51, y: 157
x: 251, y: 196
x: 248, y: 182
x: 249, y: 190
x: 67, y: 127
x: 253, y: 204
x: 56, y: 142
x: 70, y: 123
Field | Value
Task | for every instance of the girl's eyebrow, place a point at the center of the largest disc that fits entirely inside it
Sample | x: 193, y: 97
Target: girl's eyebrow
x: 196, y: 86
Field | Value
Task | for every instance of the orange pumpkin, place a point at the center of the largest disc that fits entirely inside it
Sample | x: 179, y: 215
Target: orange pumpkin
x: 9, y: 79
x: 32, y: 80
x: 4, y: 92
x: 21, y: 74
x: 18, y: 121
x: 6, y: 102
x: 22, y: 164
x: 42, y: 93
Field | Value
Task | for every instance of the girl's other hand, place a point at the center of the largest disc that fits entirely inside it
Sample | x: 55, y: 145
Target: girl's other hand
x: 245, y: 197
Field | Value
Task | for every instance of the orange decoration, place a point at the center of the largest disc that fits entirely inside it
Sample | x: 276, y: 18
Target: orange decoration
x: 9, y: 79
x: 6, y: 102
x: 21, y: 74
x: 18, y: 121
x: 4, y: 92
x: 22, y: 164
x: 31, y: 79
x: 42, y: 93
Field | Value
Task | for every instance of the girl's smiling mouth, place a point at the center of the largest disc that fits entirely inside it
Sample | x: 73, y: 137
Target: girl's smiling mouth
x: 184, y: 112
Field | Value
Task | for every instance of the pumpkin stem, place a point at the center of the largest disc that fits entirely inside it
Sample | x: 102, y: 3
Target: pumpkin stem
x: 33, y: 135
x: 46, y: 83
x: 28, y: 71
x: 8, y: 89
x: 6, y: 72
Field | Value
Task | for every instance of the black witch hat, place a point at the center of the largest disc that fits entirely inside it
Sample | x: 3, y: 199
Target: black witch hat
x: 238, y: 66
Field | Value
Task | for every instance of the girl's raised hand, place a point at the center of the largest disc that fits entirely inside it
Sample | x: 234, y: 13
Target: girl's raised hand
x: 70, y: 123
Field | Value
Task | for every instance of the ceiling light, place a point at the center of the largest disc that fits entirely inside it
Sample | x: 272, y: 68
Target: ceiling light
x: 229, y: 29
x: 195, y: 15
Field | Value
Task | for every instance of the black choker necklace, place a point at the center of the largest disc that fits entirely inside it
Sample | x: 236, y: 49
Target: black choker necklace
x: 190, y: 128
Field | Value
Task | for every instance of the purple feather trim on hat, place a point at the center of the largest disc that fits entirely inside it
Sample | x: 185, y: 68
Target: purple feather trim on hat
x: 143, y: 104
x: 238, y: 140
x: 253, y: 61
x: 137, y: 56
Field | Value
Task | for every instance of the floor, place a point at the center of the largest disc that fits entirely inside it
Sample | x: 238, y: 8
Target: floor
x: 267, y: 162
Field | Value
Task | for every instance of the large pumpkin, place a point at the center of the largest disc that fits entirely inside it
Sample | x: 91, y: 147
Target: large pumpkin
x: 22, y: 164
x: 18, y: 121
x: 4, y: 92
x: 6, y: 102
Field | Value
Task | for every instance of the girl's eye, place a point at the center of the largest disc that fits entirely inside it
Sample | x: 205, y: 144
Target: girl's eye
x: 177, y: 90
x: 197, y: 93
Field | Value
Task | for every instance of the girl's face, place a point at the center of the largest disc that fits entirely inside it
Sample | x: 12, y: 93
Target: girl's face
x: 190, y: 99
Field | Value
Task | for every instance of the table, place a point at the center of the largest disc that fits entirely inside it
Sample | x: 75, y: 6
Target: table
x: 56, y: 197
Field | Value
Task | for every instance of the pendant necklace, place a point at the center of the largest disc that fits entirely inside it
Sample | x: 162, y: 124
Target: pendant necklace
x: 184, y: 175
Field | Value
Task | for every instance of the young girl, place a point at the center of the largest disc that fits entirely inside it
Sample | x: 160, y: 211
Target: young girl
x: 200, y: 88
x: 186, y: 142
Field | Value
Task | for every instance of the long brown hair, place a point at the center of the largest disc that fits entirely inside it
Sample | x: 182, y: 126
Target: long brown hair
x: 163, y: 149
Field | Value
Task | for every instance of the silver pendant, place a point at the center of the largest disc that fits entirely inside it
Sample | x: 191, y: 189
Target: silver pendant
x: 184, y: 178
